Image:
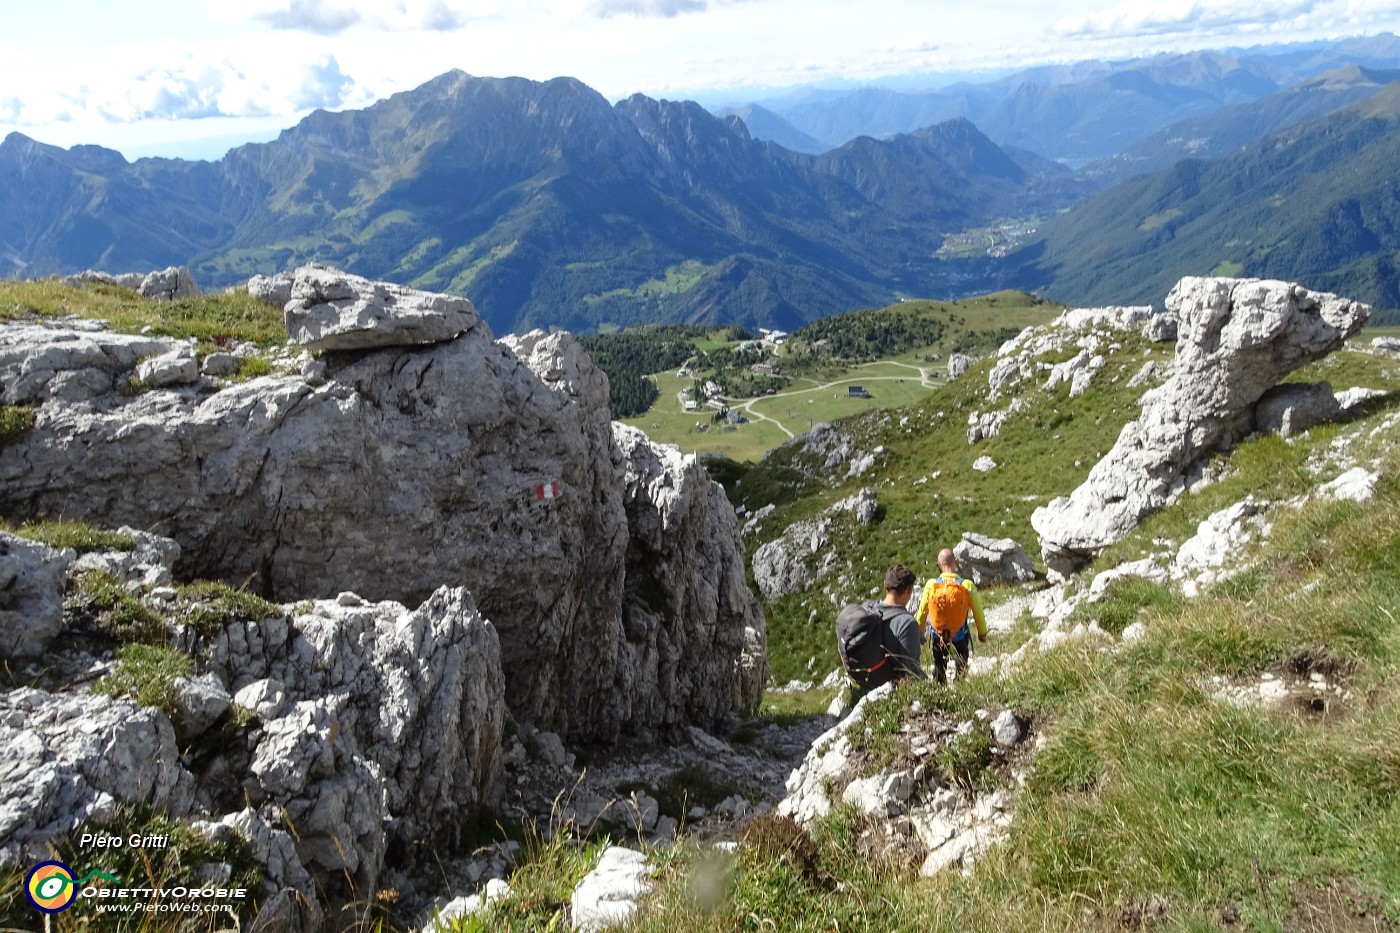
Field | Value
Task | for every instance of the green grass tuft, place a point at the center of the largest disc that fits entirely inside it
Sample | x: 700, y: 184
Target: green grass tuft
x: 15, y: 421
x: 67, y: 533
x: 209, y: 606
x: 116, y: 611
x: 147, y: 675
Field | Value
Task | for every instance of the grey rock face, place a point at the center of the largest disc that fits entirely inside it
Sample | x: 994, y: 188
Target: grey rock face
x: 992, y: 560
x: 781, y: 566
x: 32, y: 577
x: 1237, y: 339
x: 272, y: 290
x: 378, y: 703
x: 689, y: 621
x: 959, y: 363
x: 69, y: 758
x: 169, y: 284
x: 333, y: 310
x: 39, y: 363
x: 1292, y: 407
x: 1161, y: 328
x: 174, y: 367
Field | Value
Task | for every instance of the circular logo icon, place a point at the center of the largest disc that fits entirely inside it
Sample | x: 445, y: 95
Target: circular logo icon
x: 50, y: 887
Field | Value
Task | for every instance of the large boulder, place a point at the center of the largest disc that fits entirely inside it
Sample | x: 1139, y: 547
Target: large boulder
x: 170, y: 284
x: 1237, y: 338
x: 990, y: 560
x: 333, y: 310
x: 272, y: 290
x: 469, y: 462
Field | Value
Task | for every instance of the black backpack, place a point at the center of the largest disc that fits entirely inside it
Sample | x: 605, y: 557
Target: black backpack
x: 860, y: 640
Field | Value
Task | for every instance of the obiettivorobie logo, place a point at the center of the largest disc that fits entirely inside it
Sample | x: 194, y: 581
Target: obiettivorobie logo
x: 51, y: 887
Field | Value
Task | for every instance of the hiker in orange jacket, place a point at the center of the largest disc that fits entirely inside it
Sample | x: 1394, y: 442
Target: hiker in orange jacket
x: 943, y: 611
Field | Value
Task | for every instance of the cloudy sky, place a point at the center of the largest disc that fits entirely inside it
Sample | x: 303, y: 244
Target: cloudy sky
x: 192, y: 77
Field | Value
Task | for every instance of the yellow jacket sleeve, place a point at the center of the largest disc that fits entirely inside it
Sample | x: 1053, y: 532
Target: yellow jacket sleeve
x: 976, y: 608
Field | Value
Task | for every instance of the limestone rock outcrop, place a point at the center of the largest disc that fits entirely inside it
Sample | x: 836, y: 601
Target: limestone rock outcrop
x: 782, y: 566
x: 32, y: 578
x: 1237, y: 338
x: 71, y: 758
x: 990, y: 560
x: 913, y: 812
x: 959, y: 363
x: 684, y: 584
x: 467, y: 462
x: 331, y: 310
x: 272, y: 290
x: 365, y: 727
x: 169, y: 284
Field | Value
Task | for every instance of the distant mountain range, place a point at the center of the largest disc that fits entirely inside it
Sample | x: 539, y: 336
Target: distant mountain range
x: 541, y: 201
x: 549, y: 206
x: 1231, y: 128
x: 1317, y: 203
x: 1075, y: 113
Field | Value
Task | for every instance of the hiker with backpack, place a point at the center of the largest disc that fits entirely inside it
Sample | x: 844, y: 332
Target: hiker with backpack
x: 880, y: 642
x: 943, y: 609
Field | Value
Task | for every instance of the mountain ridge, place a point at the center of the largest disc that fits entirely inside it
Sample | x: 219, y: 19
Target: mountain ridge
x: 542, y: 201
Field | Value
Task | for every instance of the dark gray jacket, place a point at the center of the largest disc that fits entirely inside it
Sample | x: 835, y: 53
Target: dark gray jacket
x: 903, y: 640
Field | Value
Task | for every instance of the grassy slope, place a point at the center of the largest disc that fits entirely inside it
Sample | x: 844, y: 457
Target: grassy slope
x: 206, y: 318
x: 1153, y: 803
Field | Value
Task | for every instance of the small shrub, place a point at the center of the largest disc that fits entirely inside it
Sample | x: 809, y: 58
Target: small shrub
x: 966, y: 760
x: 213, y: 605
x: 146, y: 674
x: 777, y: 838
x: 116, y: 611
x: 133, y: 387
x: 15, y: 420
x: 687, y: 787
x: 250, y: 367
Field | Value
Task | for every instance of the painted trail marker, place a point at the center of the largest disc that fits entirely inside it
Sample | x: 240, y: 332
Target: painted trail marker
x: 546, y: 491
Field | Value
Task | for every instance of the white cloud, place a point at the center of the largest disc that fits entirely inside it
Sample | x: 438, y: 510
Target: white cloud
x: 663, y: 8
x: 335, y: 17
x: 323, y: 86
x: 193, y: 89
x: 315, y: 16
x: 1179, y: 16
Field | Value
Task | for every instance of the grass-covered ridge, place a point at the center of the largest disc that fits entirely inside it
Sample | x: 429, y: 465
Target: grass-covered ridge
x: 211, y: 319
